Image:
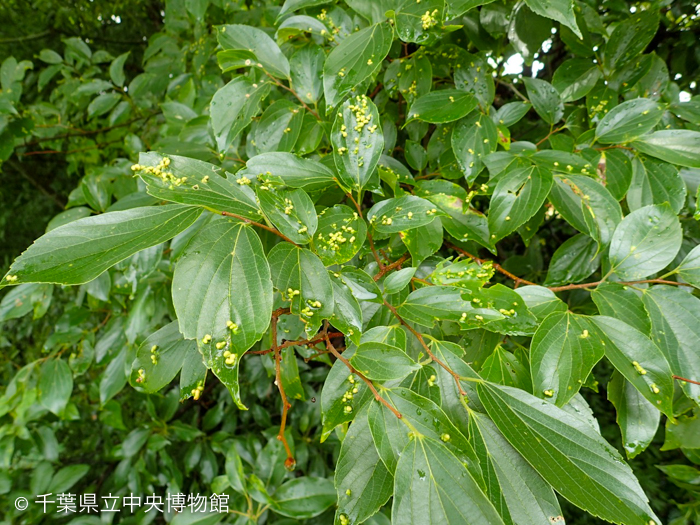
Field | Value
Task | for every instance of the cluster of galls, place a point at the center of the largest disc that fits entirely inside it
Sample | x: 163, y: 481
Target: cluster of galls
x: 154, y: 354
x: 197, y: 391
x: 348, y: 395
x: 429, y: 19
x: 229, y: 358
x: 338, y: 237
x: 161, y: 172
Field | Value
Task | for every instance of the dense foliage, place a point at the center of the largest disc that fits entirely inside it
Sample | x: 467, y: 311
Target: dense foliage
x: 370, y: 261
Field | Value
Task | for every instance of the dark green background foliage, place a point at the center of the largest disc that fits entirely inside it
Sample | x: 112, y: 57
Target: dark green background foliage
x: 264, y: 230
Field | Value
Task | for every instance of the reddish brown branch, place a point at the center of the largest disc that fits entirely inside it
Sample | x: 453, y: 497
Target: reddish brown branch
x: 352, y: 369
x: 679, y: 378
x: 643, y: 281
x: 290, y: 462
x: 299, y: 342
x: 389, y: 267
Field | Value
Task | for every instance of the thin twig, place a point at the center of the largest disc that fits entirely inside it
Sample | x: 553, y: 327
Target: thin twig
x: 352, y: 369
x: 686, y: 380
x: 290, y: 462
x: 369, y: 235
x: 389, y: 267
x: 259, y: 225
x: 280, y: 84
x: 624, y: 283
x: 301, y: 342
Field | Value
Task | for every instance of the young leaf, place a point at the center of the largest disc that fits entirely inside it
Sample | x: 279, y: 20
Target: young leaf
x: 79, y: 251
x: 564, y: 350
x: 645, y: 242
x: 445, y: 105
x: 432, y: 486
x: 357, y: 142
x: 398, y: 280
x: 354, y: 60
x: 639, y: 360
x: 569, y: 455
x: 688, y: 270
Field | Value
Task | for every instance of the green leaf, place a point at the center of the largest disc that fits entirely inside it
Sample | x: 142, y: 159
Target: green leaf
x: 200, y: 184
x: 516, y: 198
x: 575, y: 78
x: 291, y: 212
x: 688, y: 270
x: 233, y: 107
x: 683, y: 432
x: 77, y: 252
x: 279, y: 127
x: 362, y: 481
x: 504, y: 368
x: 675, y: 327
x: 223, y: 257
x: 303, y: 280
x: 102, y: 104
x: 645, y: 242
x: 575, y: 260
x: 445, y: 105
x: 116, y: 69
x: 307, y: 70
x: 585, y: 204
x: 414, y: 21
x: 357, y: 142
x: 291, y: 170
x: 347, y: 313
x: 629, y: 120
x: 655, y: 182
x: 354, y: 60
x: 510, y: 113
x: 630, y: 38
x: 569, y: 455
x: 343, y: 395
x: 55, y: 385
x: 382, y: 362
x: 361, y: 284
x: 564, y: 350
x: 160, y: 357
x: 528, y: 498
x: 637, y: 418
x: 473, y: 138
x: 433, y: 486
x: 340, y: 234
x: 677, y: 146
x: 618, y: 172
x: 295, y: 5
x: 426, y: 305
x: 622, y: 302
x: 560, y: 10
x: 68, y: 476
x: 398, y: 280
x: 545, y: 99
x: 268, y: 53
x: 401, y: 214
x: 303, y: 498
x: 25, y: 298
x: 540, y: 301
x: 422, y: 242
x: 473, y: 74
x: 638, y: 359
x: 50, y: 56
